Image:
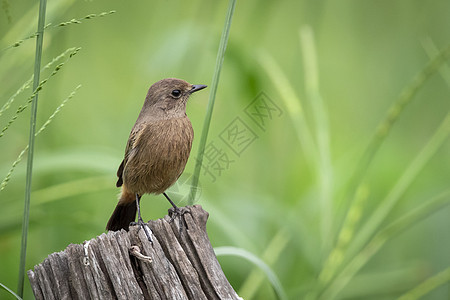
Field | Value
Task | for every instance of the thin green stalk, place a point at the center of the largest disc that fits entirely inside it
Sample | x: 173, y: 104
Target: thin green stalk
x: 5, y: 181
x: 379, y: 240
x: 27, y: 83
x: 271, y: 254
x: 8, y: 103
x: 380, y: 214
x: 392, y: 116
x: 337, y: 255
x: 322, y: 136
x: 293, y: 105
x: 10, y: 291
x: 364, y: 240
x: 381, y: 133
x: 212, y: 97
x: 395, y: 111
x: 233, y: 251
x: 432, y: 51
x: 62, y: 24
x: 30, y: 99
x: 428, y: 285
x: 437, y: 61
x: 26, y: 210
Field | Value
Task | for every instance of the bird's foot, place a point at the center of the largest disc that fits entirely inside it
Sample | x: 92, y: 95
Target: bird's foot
x: 144, y: 226
x: 178, y: 212
x: 175, y: 212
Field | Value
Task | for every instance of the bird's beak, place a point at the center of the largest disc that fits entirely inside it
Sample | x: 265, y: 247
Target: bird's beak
x: 197, y: 87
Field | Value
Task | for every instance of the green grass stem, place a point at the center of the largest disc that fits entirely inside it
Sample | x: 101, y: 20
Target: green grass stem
x: 11, y: 99
x: 293, y: 105
x: 393, y: 115
x: 10, y: 291
x: 428, y: 285
x: 411, y: 173
x: 360, y: 243
x: 337, y: 254
x: 322, y: 135
x: 212, y: 97
x: 62, y: 24
x: 382, y: 131
x: 432, y: 51
x: 270, y: 274
x: 403, y: 223
x: 39, y: 87
x: 27, y: 83
x: 398, y: 107
x: 271, y: 254
x: 36, y: 84
x: 5, y: 181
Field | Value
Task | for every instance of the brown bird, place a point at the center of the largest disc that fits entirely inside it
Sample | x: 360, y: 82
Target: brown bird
x: 157, y: 149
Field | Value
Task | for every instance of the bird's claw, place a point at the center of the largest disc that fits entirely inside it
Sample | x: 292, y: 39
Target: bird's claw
x: 144, y: 226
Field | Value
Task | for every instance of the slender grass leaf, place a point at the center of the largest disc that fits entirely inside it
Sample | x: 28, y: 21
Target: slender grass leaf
x: 293, y: 105
x: 212, y: 97
x: 36, y: 90
x: 322, y: 136
x: 10, y: 291
x: 428, y: 285
x: 270, y: 255
x: 377, y: 242
x: 380, y: 214
x: 62, y: 24
x: 271, y: 276
x: 5, y: 181
x: 36, y: 84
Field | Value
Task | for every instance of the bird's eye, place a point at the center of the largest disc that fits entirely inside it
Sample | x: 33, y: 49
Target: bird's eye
x: 176, y: 93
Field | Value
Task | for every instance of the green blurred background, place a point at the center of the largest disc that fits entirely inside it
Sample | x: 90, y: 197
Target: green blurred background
x: 270, y: 200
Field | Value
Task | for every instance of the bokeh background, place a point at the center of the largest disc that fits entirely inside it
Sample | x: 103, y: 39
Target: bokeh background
x: 273, y: 198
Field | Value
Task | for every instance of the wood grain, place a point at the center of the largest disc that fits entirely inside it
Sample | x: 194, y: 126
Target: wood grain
x: 179, y: 264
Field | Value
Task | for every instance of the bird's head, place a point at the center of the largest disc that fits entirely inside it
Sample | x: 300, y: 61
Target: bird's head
x: 169, y: 96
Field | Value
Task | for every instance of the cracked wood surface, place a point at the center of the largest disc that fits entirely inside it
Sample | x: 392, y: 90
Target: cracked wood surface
x: 179, y: 264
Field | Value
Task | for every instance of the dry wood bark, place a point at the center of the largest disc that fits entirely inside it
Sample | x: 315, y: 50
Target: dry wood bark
x: 179, y: 264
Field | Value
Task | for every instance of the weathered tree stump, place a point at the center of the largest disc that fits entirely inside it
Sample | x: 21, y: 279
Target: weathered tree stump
x: 179, y: 264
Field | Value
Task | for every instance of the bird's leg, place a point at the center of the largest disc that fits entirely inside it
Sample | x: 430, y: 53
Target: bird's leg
x: 141, y: 222
x: 176, y: 211
x: 171, y: 202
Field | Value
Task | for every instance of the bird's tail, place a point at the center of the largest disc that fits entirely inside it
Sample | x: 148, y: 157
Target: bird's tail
x: 125, y: 212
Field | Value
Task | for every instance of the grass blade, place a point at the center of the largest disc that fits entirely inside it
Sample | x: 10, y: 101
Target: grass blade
x: 357, y: 182
x: 272, y: 277
x: 62, y: 24
x: 322, y: 136
x: 5, y: 181
x: 394, y: 112
x: 428, y: 285
x: 271, y: 254
x: 432, y: 51
x: 26, y: 210
x: 10, y: 291
x: 212, y: 97
x: 27, y: 83
x: 292, y: 103
x: 391, y: 117
x: 377, y: 218
x: 377, y: 242
x: 30, y: 99
x: 370, y: 228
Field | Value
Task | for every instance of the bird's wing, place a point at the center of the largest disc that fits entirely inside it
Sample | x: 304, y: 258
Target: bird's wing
x: 129, y: 151
x: 119, y: 174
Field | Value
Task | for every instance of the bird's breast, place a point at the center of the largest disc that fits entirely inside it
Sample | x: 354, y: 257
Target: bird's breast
x: 159, y: 155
